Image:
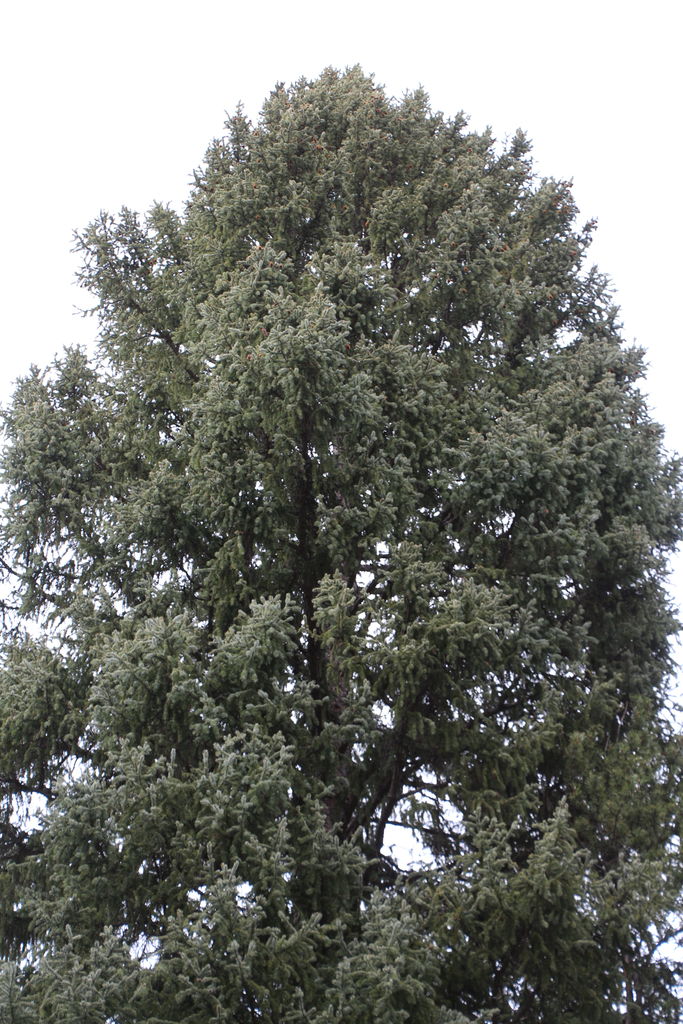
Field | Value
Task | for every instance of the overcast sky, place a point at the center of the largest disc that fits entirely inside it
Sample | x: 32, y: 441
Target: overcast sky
x: 106, y: 104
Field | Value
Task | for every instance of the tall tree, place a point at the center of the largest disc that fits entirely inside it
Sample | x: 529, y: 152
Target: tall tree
x: 355, y: 527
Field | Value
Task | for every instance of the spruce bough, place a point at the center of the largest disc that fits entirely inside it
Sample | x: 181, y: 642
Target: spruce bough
x: 356, y: 526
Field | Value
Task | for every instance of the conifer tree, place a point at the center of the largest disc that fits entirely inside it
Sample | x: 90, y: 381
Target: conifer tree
x: 356, y: 526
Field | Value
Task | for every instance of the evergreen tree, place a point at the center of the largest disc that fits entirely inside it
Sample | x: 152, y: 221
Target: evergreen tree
x: 355, y: 526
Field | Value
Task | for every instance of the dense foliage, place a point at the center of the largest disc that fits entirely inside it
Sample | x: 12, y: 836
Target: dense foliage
x: 334, y: 684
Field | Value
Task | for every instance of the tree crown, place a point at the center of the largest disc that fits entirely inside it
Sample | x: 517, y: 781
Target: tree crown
x: 355, y: 523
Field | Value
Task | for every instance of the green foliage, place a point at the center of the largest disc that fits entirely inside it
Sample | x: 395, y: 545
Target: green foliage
x: 356, y: 526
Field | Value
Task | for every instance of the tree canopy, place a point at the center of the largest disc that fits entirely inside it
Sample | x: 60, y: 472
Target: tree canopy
x: 335, y: 673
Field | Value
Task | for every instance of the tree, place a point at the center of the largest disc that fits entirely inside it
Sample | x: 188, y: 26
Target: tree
x: 356, y: 524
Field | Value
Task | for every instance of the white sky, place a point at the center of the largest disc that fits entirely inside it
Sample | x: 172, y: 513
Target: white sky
x: 105, y: 104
